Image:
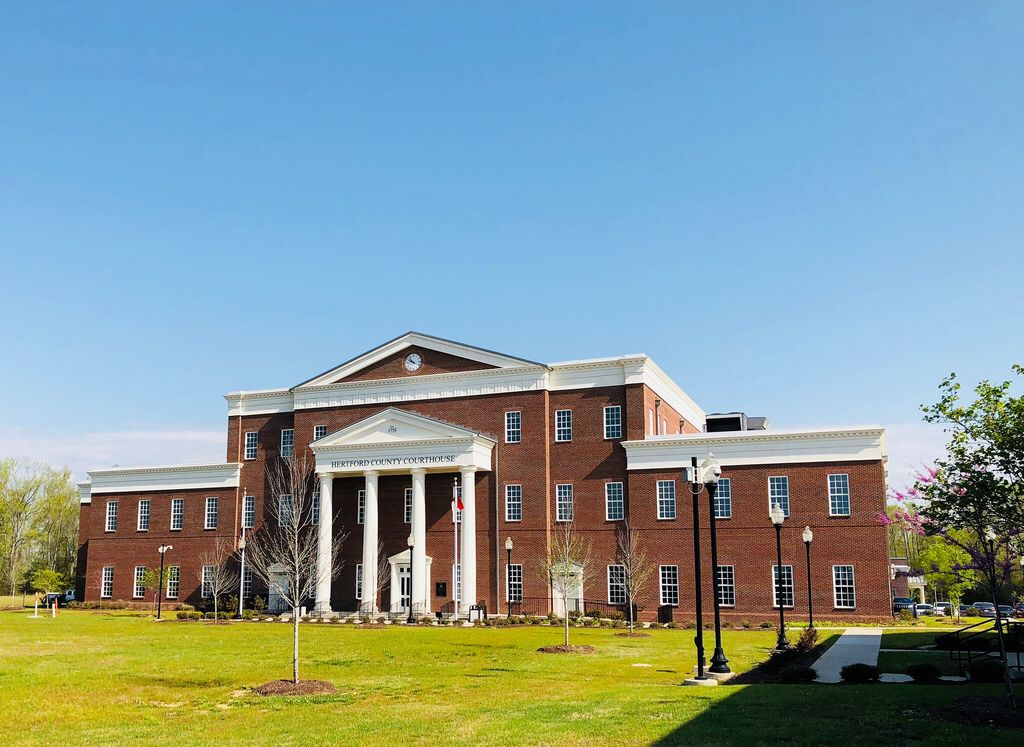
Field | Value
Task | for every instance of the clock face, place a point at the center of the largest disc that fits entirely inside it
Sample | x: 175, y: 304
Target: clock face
x: 413, y: 361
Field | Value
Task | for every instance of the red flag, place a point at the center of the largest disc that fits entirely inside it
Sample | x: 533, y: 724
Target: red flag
x: 459, y: 501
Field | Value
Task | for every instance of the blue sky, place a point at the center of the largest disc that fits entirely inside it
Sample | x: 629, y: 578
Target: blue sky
x: 806, y: 211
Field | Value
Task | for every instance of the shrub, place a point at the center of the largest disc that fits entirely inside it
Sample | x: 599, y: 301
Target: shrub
x: 906, y: 616
x: 259, y: 604
x: 231, y: 603
x: 690, y: 625
x: 860, y: 674
x: 595, y: 614
x: 924, y: 673
x: 186, y: 607
x: 807, y: 641
x: 618, y: 623
x: 986, y: 670
x: 188, y: 615
x: 675, y: 625
x: 552, y: 618
x: 798, y: 675
x: 746, y: 624
x: 727, y: 626
x: 616, y: 616
x: 765, y: 626
x: 575, y: 615
x: 248, y: 614
x: 427, y: 620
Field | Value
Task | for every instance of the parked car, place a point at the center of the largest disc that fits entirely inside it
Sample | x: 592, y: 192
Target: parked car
x: 943, y: 608
x: 902, y: 603
x: 1005, y: 611
x: 924, y: 609
x: 964, y: 608
x: 985, y: 609
x: 1018, y: 609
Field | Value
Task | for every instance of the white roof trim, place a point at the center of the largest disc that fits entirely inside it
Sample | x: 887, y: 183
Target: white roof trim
x: 177, y: 477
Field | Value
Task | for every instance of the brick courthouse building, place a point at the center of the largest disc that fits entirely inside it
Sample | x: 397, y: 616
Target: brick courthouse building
x: 595, y: 442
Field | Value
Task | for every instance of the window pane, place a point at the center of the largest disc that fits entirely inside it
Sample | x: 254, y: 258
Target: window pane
x: 839, y: 495
x: 723, y: 499
x: 666, y: 499
x: 513, y: 503
x: 778, y: 492
x: 787, y: 585
x: 613, y: 501
x: 613, y: 422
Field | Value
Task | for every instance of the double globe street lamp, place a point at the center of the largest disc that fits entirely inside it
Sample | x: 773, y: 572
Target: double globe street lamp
x: 706, y: 475
x: 160, y: 580
x: 808, y: 538
x: 778, y: 517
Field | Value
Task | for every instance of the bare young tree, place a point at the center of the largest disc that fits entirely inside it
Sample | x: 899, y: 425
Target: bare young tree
x: 636, y: 568
x: 284, y: 551
x: 566, y: 566
x: 217, y: 575
x: 383, y: 576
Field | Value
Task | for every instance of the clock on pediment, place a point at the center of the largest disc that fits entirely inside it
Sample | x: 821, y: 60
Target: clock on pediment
x: 413, y: 362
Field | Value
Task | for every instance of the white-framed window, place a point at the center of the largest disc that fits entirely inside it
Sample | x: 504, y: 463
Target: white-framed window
x: 778, y: 492
x: 563, y: 425
x: 107, y: 585
x: 319, y: 431
x: 206, y: 587
x: 616, y: 584
x: 613, y: 421
x: 563, y: 502
x: 843, y: 592
x: 173, y: 581
x: 252, y: 440
x: 247, y: 584
x: 727, y: 586
x: 359, y: 581
x: 457, y: 582
x: 787, y: 585
x: 457, y: 513
x: 139, y: 589
x: 143, y: 521
x: 513, y: 503
x: 285, y: 510
x: 177, y: 514
x: 111, y: 516
x: 361, y: 507
x: 287, y: 442
x: 248, y: 511
x: 668, y: 576
x: 212, y: 508
x: 723, y: 499
x: 614, y: 505
x: 513, y: 427
x: 314, y: 509
x: 666, y: 499
x: 514, y: 582
x: 407, y: 514
x: 839, y: 495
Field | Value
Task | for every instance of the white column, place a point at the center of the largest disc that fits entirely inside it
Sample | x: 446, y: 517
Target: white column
x: 419, y: 533
x: 325, y: 539
x: 368, y: 605
x: 468, y: 559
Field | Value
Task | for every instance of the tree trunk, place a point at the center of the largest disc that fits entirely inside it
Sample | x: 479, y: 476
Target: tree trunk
x: 629, y: 613
x: 565, y: 605
x: 295, y: 645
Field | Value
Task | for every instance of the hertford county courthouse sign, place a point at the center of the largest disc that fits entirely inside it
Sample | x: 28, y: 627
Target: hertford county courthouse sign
x: 430, y: 460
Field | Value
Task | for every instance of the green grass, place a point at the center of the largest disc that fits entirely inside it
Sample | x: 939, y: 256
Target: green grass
x: 102, y: 678
x: 897, y: 661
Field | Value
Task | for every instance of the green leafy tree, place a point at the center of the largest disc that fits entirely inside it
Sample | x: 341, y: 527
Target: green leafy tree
x: 153, y: 581
x: 948, y: 568
x: 47, y: 580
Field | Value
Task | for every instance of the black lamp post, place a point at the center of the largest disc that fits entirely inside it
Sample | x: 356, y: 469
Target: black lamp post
x: 412, y: 546
x: 160, y: 579
x: 712, y: 470
x: 778, y: 518
x: 508, y: 575
x: 808, y: 538
x: 695, y: 490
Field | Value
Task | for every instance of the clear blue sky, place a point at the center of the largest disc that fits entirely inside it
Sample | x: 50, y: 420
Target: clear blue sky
x: 806, y: 211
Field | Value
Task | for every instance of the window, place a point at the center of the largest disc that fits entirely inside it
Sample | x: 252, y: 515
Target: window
x: 457, y: 513
x: 211, y: 513
x: 177, y: 513
x: 111, y: 516
x: 778, y: 492
x: 408, y: 505
x: 614, y: 508
x: 206, y: 588
x: 107, y: 585
x: 842, y: 586
x: 513, y: 503
x: 285, y: 510
x: 669, y: 577
x: 314, y: 509
x: 361, y: 507
x: 616, y: 584
x: 563, y: 502
x: 787, y: 585
x: 513, y: 427
x: 666, y: 499
x: 563, y: 425
x: 143, y: 523
x: 247, y: 584
x: 839, y: 495
x: 173, y: 581
x: 457, y: 582
x: 319, y: 431
x: 613, y: 421
x: 139, y: 589
x: 287, y: 442
x: 252, y: 440
x: 359, y: 581
x: 723, y: 499
x: 514, y: 582
x: 248, y: 511
x: 726, y: 586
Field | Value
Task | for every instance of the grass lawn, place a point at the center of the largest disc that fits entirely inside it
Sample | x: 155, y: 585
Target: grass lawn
x: 896, y: 662
x: 101, y: 678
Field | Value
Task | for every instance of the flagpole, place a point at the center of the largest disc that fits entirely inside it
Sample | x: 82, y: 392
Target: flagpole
x: 455, y: 523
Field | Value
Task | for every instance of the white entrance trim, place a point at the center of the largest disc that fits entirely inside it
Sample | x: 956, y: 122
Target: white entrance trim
x: 399, y: 560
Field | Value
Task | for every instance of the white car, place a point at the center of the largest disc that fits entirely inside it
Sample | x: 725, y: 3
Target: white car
x: 924, y: 609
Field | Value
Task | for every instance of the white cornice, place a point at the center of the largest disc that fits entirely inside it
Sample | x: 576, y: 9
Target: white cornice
x: 85, y: 492
x: 178, y: 477
x: 262, y: 402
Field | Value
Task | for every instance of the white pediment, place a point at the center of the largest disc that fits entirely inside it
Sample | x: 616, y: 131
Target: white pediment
x: 393, y: 426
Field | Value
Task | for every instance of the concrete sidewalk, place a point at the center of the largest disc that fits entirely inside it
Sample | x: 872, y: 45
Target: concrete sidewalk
x: 855, y: 646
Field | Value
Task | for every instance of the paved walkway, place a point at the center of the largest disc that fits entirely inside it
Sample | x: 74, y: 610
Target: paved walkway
x: 855, y: 646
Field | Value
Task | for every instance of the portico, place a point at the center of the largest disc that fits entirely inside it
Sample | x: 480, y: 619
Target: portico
x: 398, y: 442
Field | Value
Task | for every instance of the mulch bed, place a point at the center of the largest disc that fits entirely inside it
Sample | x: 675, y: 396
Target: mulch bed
x: 566, y: 649
x: 981, y: 711
x: 302, y: 687
x: 633, y: 635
